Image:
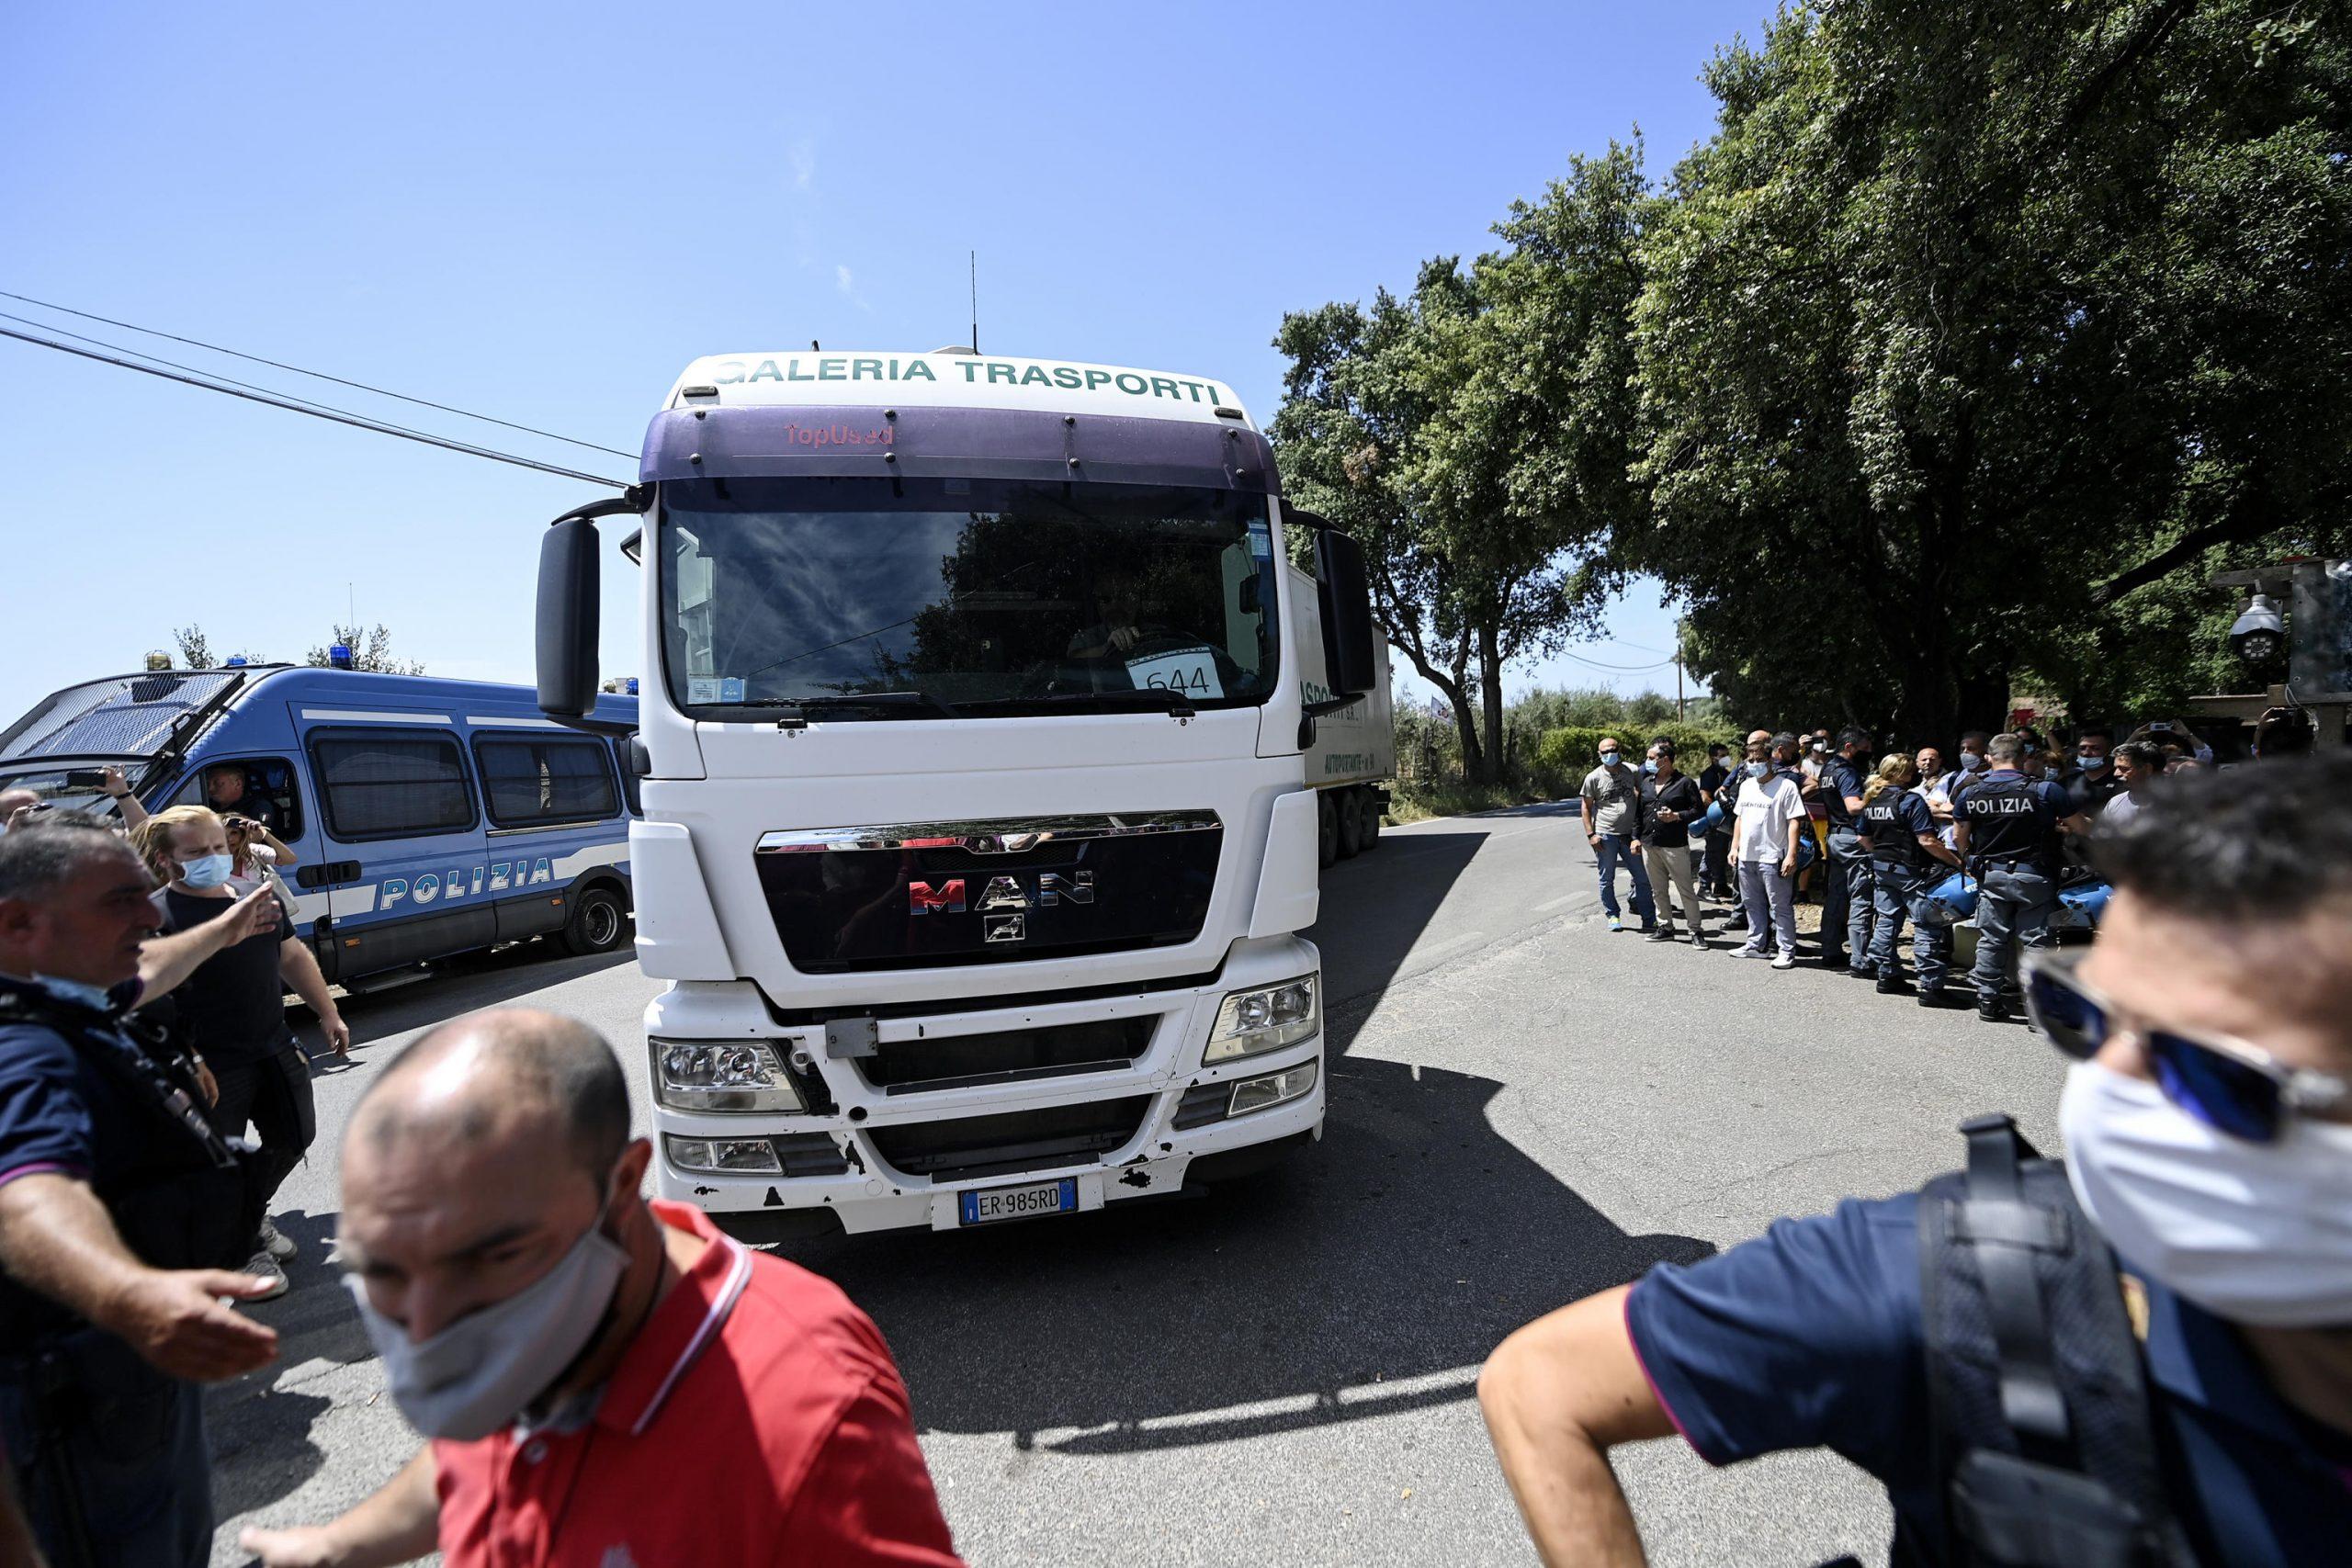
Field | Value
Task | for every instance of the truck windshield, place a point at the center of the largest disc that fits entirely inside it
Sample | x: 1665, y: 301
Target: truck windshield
x: 963, y: 597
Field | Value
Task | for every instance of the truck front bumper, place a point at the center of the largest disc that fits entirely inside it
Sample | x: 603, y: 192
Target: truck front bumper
x: 840, y: 1161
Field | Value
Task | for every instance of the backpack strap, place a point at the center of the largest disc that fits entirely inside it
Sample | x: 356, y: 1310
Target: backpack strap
x: 2042, y: 1434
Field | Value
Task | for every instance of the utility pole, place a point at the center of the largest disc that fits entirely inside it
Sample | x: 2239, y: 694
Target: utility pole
x: 1677, y: 686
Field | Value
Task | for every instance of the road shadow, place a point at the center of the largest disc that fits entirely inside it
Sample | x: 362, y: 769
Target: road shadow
x: 1374, y: 909
x: 259, y: 1433
x: 1371, y: 1273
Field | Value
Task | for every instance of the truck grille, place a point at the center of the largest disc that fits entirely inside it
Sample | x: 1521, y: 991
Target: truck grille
x: 960, y: 1061
x: 1011, y: 1143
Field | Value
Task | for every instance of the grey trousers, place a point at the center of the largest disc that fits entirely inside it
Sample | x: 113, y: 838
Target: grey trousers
x: 1768, y: 898
x: 1671, y: 877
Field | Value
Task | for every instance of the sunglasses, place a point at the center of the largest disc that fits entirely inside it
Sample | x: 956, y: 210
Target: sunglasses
x: 2225, y: 1083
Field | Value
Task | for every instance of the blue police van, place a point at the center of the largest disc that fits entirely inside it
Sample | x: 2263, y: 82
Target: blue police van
x: 427, y: 817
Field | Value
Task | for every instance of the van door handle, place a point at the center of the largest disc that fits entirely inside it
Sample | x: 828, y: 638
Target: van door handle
x: 326, y: 872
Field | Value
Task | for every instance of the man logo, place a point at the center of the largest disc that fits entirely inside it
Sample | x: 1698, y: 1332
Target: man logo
x: 1002, y: 893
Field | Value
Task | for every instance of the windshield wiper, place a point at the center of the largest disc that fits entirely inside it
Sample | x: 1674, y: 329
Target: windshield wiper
x: 795, y: 710
x: 1177, y: 704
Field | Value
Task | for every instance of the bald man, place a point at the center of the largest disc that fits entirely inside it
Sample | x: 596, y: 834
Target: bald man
x: 602, y: 1379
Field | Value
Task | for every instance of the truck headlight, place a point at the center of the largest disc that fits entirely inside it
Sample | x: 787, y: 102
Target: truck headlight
x: 1264, y: 1018
x: 722, y: 1075
x: 722, y: 1156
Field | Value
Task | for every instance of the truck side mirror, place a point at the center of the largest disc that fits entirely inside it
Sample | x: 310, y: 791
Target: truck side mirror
x: 566, y: 618
x: 1343, y: 585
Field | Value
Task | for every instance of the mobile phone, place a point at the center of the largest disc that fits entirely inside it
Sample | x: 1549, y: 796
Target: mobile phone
x: 85, y: 778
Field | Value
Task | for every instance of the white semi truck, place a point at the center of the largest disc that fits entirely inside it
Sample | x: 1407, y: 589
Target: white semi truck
x: 974, y: 748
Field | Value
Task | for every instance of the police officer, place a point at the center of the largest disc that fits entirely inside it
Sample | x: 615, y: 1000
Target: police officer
x: 1846, y: 883
x: 2208, y: 1119
x: 2007, y: 831
x: 122, y: 1213
x: 1898, y: 833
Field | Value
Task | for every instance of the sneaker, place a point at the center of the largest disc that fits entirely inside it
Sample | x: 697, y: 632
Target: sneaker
x: 1856, y: 972
x: 1785, y: 961
x: 265, y: 1266
x: 1699, y: 941
x: 1939, y: 997
x: 1747, y: 949
x: 1893, y: 986
x: 277, y: 1245
x: 1993, y: 1011
x: 1615, y: 924
x: 1659, y: 933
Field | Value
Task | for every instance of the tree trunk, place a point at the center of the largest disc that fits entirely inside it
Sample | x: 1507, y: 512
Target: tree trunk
x: 1490, y: 697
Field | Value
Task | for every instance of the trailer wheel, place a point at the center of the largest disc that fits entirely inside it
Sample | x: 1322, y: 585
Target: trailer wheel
x: 1369, y: 834
x: 599, y: 922
x: 1326, y: 829
x: 1351, y: 813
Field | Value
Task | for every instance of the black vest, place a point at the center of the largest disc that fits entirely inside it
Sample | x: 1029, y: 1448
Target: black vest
x: 1834, y: 776
x: 188, y: 1198
x: 2007, y: 820
x: 1892, y: 839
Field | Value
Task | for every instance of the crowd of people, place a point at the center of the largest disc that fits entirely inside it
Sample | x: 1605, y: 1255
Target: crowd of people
x: 1881, y: 840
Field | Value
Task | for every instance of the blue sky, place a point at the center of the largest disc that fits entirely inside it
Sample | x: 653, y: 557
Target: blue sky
x: 542, y: 212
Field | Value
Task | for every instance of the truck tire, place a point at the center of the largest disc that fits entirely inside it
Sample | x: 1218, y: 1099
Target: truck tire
x: 1369, y: 834
x: 1326, y: 830
x: 1350, y: 810
x: 599, y: 922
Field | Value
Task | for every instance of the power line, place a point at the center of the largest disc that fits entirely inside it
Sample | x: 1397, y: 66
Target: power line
x: 316, y: 411
x: 307, y: 404
x: 1629, y: 668
x: 296, y: 369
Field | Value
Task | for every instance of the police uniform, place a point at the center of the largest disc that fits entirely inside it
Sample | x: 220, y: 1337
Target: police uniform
x: 1812, y: 1336
x: 2013, y: 852
x: 1901, y: 874
x: 109, y: 1453
x: 1846, y: 896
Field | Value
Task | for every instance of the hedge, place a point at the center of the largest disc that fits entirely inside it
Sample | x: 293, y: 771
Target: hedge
x: 1563, y: 757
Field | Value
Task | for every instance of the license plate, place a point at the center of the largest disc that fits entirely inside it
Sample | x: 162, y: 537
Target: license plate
x: 1019, y: 1203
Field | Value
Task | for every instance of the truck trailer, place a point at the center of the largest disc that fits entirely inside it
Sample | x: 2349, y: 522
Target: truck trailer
x: 978, y: 829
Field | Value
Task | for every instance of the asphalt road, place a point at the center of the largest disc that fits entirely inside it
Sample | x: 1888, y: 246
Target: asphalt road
x: 1524, y: 1109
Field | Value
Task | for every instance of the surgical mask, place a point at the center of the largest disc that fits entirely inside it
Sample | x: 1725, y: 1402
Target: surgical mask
x: 205, y: 871
x: 1758, y: 770
x: 2256, y: 1234
x: 1609, y: 758
x: 2092, y: 761
x: 1649, y: 765
x: 2205, y: 756
x: 1971, y: 761
x: 480, y: 1373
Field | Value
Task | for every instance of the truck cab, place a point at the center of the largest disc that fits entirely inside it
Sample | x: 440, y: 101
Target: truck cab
x: 976, y: 834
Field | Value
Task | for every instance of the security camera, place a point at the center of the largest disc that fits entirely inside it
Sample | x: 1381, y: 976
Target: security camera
x: 2258, y: 635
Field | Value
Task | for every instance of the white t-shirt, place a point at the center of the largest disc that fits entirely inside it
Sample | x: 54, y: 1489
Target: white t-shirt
x: 1765, y: 808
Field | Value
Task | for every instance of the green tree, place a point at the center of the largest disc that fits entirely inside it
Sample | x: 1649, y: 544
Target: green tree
x: 1975, y: 324
x: 1475, y: 436
x: 195, y: 651
x: 372, y: 650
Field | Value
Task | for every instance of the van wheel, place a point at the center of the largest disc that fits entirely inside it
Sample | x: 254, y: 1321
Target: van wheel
x: 1369, y: 834
x: 599, y: 921
x: 1326, y: 830
x: 1349, y: 812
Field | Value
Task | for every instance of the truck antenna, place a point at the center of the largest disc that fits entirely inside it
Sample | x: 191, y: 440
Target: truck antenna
x: 976, y: 301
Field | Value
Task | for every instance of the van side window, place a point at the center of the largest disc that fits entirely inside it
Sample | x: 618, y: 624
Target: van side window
x: 260, y: 787
x: 531, y: 782
x: 391, y: 785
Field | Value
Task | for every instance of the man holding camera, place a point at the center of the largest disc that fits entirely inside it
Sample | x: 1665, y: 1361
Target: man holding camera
x: 2025, y: 1395
x: 123, y: 1214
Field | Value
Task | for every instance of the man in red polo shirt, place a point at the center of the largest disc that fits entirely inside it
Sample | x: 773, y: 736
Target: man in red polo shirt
x: 607, y: 1382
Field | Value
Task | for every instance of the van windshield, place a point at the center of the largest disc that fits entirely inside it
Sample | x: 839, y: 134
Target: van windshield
x: 963, y: 597
x: 121, y: 716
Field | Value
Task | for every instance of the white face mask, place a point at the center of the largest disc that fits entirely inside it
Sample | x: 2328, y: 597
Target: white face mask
x: 480, y: 1373
x: 2259, y: 1234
